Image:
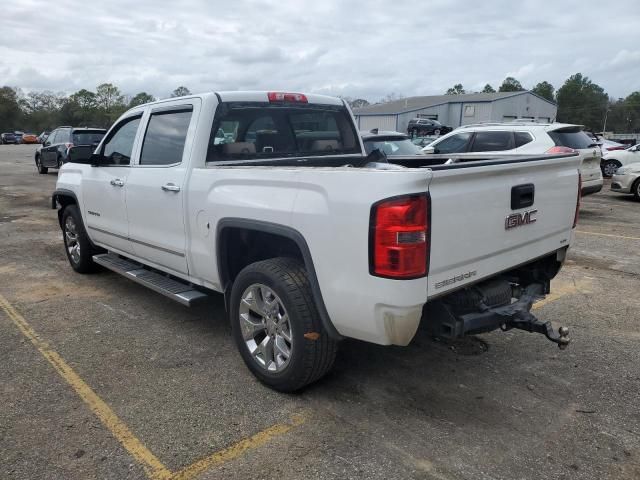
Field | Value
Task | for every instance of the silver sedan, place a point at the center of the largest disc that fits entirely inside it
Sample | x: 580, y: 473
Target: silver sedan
x: 627, y: 180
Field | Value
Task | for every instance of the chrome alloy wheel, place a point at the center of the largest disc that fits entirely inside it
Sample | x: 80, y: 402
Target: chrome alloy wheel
x: 71, y: 239
x: 265, y: 327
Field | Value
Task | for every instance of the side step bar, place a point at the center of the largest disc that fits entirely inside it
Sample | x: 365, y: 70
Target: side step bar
x: 179, y: 291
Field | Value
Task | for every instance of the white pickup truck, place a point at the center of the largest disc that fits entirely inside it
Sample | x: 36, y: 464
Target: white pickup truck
x: 268, y: 198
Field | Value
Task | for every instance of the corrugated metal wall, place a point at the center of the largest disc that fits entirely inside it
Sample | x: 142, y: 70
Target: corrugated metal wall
x: 382, y: 122
x: 523, y: 106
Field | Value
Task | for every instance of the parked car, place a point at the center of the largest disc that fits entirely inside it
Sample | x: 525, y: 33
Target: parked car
x: 43, y: 136
x: 419, y: 127
x: 29, y: 138
x: 54, y: 152
x: 627, y: 180
x: 390, y: 143
x: 18, y: 135
x: 424, y: 141
x: 310, y: 239
x: 8, y: 138
x: 617, y: 158
x: 528, y: 139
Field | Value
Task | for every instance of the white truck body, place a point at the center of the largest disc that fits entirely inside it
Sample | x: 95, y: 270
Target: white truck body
x: 170, y: 217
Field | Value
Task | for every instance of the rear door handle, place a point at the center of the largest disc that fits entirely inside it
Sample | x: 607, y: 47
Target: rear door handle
x: 171, y: 187
x: 116, y: 182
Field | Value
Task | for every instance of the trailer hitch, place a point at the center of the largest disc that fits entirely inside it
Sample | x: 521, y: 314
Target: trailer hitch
x: 520, y: 317
x: 506, y: 317
x: 524, y: 320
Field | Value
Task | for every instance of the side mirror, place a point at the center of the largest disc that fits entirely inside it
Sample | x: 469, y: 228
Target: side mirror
x: 428, y: 150
x: 81, y: 154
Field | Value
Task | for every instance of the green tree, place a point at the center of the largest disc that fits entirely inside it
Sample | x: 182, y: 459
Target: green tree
x: 141, y: 98
x: 545, y: 90
x: 583, y: 102
x: 488, y: 89
x: 110, y: 103
x: 181, y: 91
x: 457, y: 89
x: 10, y: 113
x: 85, y: 99
x: 510, y: 84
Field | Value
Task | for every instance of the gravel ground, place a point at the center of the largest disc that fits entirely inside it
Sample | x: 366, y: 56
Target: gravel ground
x: 496, y: 406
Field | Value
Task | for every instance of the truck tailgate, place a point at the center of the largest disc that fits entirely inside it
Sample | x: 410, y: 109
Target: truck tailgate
x: 476, y: 230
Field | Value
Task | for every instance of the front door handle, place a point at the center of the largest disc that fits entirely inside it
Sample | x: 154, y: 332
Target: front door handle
x: 171, y: 187
x: 116, y: 182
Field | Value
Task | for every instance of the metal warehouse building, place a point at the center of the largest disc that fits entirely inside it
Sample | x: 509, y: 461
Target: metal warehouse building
x: 456, y: 110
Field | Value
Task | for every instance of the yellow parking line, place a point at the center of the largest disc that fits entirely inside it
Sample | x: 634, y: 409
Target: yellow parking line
x: 237, y: 449
x: 153, y: 468
x: 558, y: 291
x: 608, y: 235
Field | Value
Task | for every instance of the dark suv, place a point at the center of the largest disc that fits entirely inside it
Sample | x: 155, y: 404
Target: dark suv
x: 54, y: 152
x: 419, y: 127
x: 7, y: 138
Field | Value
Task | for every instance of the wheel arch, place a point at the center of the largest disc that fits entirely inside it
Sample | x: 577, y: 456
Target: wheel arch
x: 237, y: 240
x: 64, y: 198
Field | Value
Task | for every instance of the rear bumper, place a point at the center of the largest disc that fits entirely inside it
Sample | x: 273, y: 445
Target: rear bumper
x: 591, y: 186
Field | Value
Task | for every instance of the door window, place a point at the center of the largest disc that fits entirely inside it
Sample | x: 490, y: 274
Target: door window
x: 453, y: 144
x: 119, y: 145
x: 492, y: 141
x: 165, y: 137
x: 51, y: 139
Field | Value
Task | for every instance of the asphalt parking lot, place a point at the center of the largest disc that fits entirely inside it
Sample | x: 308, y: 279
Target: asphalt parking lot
x: 101, y: 378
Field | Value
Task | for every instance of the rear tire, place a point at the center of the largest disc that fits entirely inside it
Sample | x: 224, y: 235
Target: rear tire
x: 609, y: 168
x: 285, y: 355
x: 41, y: 170
x: 77, y: 245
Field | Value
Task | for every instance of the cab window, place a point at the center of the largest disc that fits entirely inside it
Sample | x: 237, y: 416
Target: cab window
x: 119, y: 145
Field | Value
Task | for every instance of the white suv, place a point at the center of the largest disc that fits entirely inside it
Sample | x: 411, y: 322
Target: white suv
x: 525, y: 138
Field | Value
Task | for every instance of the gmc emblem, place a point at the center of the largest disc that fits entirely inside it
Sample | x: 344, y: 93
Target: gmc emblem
x: 519, y: 219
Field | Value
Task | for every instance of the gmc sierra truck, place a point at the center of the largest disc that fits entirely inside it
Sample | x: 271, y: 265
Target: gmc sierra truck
x: 309, y: 239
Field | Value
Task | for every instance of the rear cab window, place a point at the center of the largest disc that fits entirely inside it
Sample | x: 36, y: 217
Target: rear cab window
x: 572, y: 137
x: 260, y: 130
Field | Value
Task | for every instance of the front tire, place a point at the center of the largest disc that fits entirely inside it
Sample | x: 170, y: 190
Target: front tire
x: 609, y: 168
x: 636, y: 189
x: 41, y: 170
x: 277, y: 327
x: 76, y: 241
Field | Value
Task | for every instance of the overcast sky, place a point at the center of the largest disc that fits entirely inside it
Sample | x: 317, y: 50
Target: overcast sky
x: 358, y: 49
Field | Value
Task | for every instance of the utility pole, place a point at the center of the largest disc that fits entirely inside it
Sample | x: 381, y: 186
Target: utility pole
x: 604, y: 126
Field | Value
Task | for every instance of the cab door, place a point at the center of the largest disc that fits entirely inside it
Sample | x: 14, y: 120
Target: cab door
x: 157, y: 183
x: 104, y: 187
x: 48, y: 149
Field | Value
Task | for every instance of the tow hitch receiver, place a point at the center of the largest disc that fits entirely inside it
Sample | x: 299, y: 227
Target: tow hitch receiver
x: 523, y: 319
x: 485, y: 315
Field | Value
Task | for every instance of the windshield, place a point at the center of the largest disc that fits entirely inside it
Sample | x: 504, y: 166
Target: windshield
x: 392, y: 146
x: 255, y: 130
x: 87, y: 137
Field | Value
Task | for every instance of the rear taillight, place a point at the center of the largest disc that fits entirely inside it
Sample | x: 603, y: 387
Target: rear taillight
x: 577, y: 214
x: 560, y: 149
x: 287, y: 97
x: 399, y: 237
x: 610, y: 149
